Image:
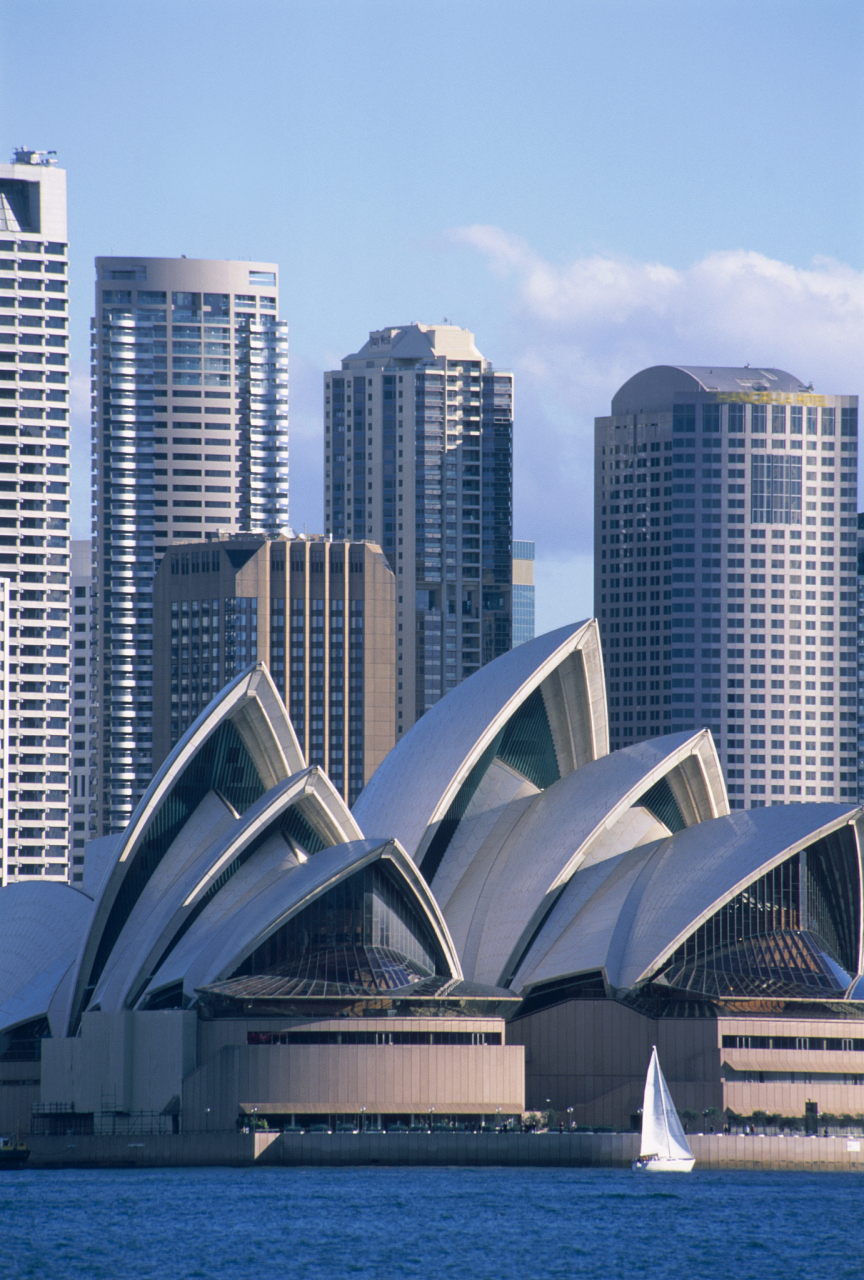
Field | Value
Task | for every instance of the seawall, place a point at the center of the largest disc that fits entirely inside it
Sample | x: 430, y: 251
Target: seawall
x: 603, y: 1150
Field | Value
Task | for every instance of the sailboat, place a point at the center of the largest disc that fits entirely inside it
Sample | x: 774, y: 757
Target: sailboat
x: 664, y: 1148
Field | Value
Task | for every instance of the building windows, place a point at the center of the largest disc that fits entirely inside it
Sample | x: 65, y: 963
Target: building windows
x: 775, y: 489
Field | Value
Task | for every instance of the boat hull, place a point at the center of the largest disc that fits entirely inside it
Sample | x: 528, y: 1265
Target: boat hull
x: 659, y: 1164
x: 15, y: 1158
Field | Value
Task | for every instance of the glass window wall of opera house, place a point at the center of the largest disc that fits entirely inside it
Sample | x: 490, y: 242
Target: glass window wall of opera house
x: 507, y: 920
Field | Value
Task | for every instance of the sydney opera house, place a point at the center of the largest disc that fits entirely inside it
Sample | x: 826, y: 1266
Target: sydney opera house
x: 508, y: 919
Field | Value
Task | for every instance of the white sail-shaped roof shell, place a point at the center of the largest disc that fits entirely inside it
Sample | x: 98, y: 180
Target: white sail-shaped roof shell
x: 42, y: 927
x: 412, y: 789
x: 505, y: 868
x: 626, y: 915
x: 204, y: 852
x: 251, y: 703
x: 271, y: 888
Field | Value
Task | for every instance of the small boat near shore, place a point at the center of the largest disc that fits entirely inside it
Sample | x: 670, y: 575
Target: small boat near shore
x: 14, y: 1152
x: 664, y: 1147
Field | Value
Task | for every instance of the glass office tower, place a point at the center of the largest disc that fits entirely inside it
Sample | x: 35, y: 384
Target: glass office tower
x: 725, y: 573
x: 418, y: 457
x: 34, y: 516
x: 190, y: 441
x: 523, y: 592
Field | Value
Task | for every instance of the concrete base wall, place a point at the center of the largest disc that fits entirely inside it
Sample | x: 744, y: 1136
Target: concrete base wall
x: 16, y: 1105
x: 592, y: 1055
x: 125, y: 1151
x: 327, y: 1079
x: 606, y: 1150
x: 131, y: 1061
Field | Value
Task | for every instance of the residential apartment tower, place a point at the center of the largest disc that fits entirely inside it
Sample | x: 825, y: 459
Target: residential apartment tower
x: 190, y: 440
x: 418, y: 457
x: 34, y: 515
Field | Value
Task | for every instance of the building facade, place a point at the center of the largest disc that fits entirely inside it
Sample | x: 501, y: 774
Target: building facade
x: 523, y: 592
x: 418, y: 456
x: 320, y: 614
x: 5, y: 716
x: 190, y: 439
x: 82, y: 723
x: 860, y: 657
x: 251, y: 945
x: 34, y: 513
x: 724, y: 573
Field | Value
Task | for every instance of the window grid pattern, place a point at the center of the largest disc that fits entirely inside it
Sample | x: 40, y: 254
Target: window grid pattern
x: 34, y: 514
x: 775, y: 489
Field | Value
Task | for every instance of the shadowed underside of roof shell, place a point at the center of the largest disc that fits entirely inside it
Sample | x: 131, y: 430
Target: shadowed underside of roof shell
x: 268, y: 896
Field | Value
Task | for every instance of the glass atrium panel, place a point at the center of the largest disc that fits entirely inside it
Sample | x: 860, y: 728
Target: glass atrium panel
x: 362, y: 937
x: 793, y: 933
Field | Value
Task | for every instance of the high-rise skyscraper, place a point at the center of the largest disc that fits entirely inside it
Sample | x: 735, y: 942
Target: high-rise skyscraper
x: 190, y: 406
x: 319, y: 613
x: 5, y: 735
x: 860, y: 634
x: 724, y: 573
x: 34, y: 514
x: 82, y: 726
x: 418, y: 457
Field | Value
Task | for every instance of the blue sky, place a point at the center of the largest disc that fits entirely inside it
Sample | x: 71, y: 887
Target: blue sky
x: 590, y: 187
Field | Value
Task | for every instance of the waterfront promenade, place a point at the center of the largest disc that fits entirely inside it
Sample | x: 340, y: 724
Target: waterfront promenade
x: 600, y: 1150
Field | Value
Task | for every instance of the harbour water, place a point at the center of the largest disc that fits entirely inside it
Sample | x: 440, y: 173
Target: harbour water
x: 383, y: 1224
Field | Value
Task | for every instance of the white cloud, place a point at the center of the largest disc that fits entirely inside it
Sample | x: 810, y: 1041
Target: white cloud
x: 576, y: 331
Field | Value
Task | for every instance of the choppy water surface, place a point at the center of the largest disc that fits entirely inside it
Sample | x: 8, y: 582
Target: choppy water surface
x: 389, y: 1223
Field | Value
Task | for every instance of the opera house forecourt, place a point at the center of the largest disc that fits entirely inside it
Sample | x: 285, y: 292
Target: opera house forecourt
x: 507, y: 920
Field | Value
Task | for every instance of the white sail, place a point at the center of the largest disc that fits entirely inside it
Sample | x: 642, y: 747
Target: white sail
x: 662, y: 1133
